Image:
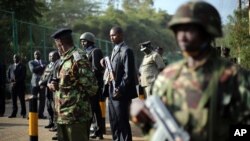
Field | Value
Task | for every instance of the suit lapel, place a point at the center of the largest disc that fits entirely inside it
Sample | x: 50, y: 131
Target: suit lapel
x: 116, y: 51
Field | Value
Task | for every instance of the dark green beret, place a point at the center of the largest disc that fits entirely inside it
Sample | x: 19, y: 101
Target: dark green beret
x: 61, y: 32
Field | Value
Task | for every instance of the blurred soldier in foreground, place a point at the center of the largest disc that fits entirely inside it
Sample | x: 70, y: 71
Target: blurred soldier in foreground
x: 16, y: 76
x: 205, y: 93
x: 150, y: 67
x: 94, y: 55
x: 74, y: 88
x: 45, y: 79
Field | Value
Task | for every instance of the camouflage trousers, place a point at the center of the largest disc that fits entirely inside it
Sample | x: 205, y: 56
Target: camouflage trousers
x: 74, y: 132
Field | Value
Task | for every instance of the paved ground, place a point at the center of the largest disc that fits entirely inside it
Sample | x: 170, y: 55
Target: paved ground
x: 16, y: 129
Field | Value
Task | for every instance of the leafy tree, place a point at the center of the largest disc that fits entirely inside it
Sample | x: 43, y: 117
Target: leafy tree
x: 25, y: 10
x: 64, y: 13
x: 12, y: 10
x: 237, y: 36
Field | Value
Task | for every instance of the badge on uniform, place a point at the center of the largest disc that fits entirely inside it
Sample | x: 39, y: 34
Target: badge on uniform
x: 77, y: 56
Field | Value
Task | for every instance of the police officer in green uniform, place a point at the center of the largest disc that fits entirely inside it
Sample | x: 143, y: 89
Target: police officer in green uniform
x: 150, y: 67
x: 75, y: 86
x: 205, y: 93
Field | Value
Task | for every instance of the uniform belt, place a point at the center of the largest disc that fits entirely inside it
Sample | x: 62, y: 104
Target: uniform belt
x: 65, y: 88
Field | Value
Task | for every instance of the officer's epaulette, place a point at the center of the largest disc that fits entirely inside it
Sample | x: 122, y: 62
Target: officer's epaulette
x: 77, y: 56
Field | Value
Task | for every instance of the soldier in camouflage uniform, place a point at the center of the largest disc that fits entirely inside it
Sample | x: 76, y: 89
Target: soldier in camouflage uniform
x: 205, y: 93
x: 94, y: 55
x: 45, y: 79
x: 76, y: 85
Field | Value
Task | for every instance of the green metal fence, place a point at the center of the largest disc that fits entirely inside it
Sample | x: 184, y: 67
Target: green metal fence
x: 31, y: 37
x: 24, y: 38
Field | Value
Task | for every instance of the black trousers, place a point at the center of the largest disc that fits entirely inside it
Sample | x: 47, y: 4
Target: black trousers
x: 35, y: 91
x: 18, y: 90
x: 50, y: 104
x: 96, y: 109
x: 119, y: 119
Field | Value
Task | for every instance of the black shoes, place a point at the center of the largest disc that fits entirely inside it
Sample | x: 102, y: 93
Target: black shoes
x: 49, y: 126
x: 53, y: 129
x: 42, y: 117
x: 97, y: 134
x: 94, y: 136
x: 12, y: 116
x: 54, y: 138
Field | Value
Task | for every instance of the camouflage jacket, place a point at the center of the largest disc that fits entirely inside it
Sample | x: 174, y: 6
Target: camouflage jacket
x: 208, y: 99
x: 47, y: 74
x: 76, y: 84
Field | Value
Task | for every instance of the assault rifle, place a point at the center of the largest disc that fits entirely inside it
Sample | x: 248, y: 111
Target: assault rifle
x: 153, y: 114
x: 116, y: 95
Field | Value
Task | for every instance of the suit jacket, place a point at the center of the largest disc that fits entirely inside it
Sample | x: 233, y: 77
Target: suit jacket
x: 37, y: 71
x: 17, y: 74
x: 123, y: 65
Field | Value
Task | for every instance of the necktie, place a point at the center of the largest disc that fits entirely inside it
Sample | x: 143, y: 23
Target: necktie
x: 113, y: 52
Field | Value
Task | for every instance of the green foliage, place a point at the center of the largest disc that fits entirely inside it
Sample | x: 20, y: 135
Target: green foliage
x: 139, y: 20
x: 10, y: 11
x: 236, y: 36
x: 25, y: 10
x: 67, y: 12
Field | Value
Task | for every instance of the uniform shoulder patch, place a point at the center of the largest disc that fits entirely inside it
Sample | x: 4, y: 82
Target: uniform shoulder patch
x: 77, y: 56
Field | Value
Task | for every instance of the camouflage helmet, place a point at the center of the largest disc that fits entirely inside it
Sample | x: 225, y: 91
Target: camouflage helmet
x: 88, y: 36
x: 201, y: 13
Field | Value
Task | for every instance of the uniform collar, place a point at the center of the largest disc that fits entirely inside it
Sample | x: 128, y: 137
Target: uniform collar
x: 89, y: 49
x: 68, y: 53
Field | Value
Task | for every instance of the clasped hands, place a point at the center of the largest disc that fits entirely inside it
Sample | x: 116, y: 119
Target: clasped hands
x: 53, y: 86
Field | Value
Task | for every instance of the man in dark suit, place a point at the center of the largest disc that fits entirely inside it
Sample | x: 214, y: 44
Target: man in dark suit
x: 37, y: 67
x: 16, y: 76
x: 2, y: 89
x: 123, y: 64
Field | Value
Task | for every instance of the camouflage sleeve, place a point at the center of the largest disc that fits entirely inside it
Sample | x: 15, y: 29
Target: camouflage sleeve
x: 164, y: 81
x: 86, y: 79
x: 160, y: 86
